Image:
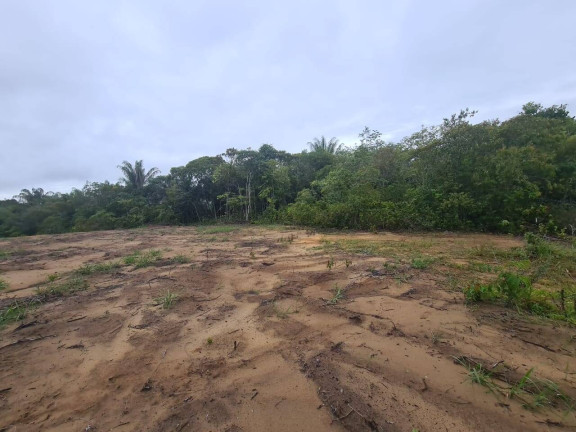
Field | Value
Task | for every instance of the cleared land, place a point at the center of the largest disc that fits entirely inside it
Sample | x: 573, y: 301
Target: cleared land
x: 259, y: 329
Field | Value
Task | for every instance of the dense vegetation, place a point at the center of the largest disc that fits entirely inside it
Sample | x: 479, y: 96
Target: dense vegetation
x: 513, y: 176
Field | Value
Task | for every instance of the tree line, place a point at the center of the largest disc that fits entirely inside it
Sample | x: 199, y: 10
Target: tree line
x: 511, y: 176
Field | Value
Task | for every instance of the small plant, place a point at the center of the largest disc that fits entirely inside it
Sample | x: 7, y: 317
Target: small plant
x: 338, y: 295
x: 15, y: 312
x: 181, y: 259
x: 437, y: 337
x: 478, y: 375
x: 63, y: 288
x: 518, y: 388
x: 104, y: 267
x: 141, y: 260
x: 421, y: 263
x: 330, y: 263
x: 52, y: 277
x: 252, y: 255
x: 348, y: 263
x: 3, y: 284
x: 167, y: 300
x: 209, y: 341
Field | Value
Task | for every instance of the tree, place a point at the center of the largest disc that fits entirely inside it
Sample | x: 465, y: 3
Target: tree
x: 322, y: 145
x: 135, y: 176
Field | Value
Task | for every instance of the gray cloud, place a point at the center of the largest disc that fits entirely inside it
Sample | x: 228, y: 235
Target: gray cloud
x: 86, y: 85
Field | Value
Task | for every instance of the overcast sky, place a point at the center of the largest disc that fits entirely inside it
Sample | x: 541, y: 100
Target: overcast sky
x: 86, y: 84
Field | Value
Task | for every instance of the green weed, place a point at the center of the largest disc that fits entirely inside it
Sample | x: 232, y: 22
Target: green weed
x: 338, y: 295
x: 52, y: 277
x: 141, y: 259
x: 181, y: 259
x: 104, y: 267
x: 330, y: 263
x: 3, y: 284
x: 62, y: 288
x: 15, y: 312
x: 167, y: 300
x: 421, y: 263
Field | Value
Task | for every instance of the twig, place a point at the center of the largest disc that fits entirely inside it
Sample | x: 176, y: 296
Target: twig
x: 76, y: 319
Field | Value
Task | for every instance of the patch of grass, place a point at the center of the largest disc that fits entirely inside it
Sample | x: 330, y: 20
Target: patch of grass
x: 62, y: 288
x: 141, y: 259
x: 481, y: 267
x: 181, y: 259
x: 518, y: 388
x: 103, y: 267
x: 209, y: 341
x: 532, y: 393
x: 421, y: 263
x: 479, y: 375
x: 52, y: 277
x: 495, y: 254
x: 15, y: 312
x: 167, y: 300
x: 517, y: 291
x: 216, y: 229
x: 338, y: 295
x: 3, y: 284
x: 4, y: 255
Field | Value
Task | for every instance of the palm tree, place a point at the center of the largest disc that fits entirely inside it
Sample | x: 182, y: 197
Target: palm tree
x: 135, y: 176
x: 323, y: 145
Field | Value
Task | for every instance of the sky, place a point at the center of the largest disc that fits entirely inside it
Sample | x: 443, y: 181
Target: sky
x: 85, y: 85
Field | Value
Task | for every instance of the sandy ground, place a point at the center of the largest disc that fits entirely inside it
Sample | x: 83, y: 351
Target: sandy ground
x: 258, y: 340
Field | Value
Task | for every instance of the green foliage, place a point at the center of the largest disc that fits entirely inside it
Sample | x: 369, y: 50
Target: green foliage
x: 516, y: 176
x: 181, y: 259
x: 338, y: 295
x: 3, y: 284
x: 167, y: 300
x: 531, y: 392
x: 104, y: 267
x: 141, y: 259
x: 14, y: 312
x: 62, y: 288
x: 421, y: 263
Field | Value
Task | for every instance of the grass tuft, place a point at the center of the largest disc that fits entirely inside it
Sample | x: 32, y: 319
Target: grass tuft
x: 167, y: 300
x: 141, y: 259
x: 104, y: 267
x: 62, y: 288
x: 15, y: 312
x: 338, y: 295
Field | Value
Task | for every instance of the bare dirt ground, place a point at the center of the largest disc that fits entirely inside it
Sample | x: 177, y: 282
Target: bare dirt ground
x: 270, y: 330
